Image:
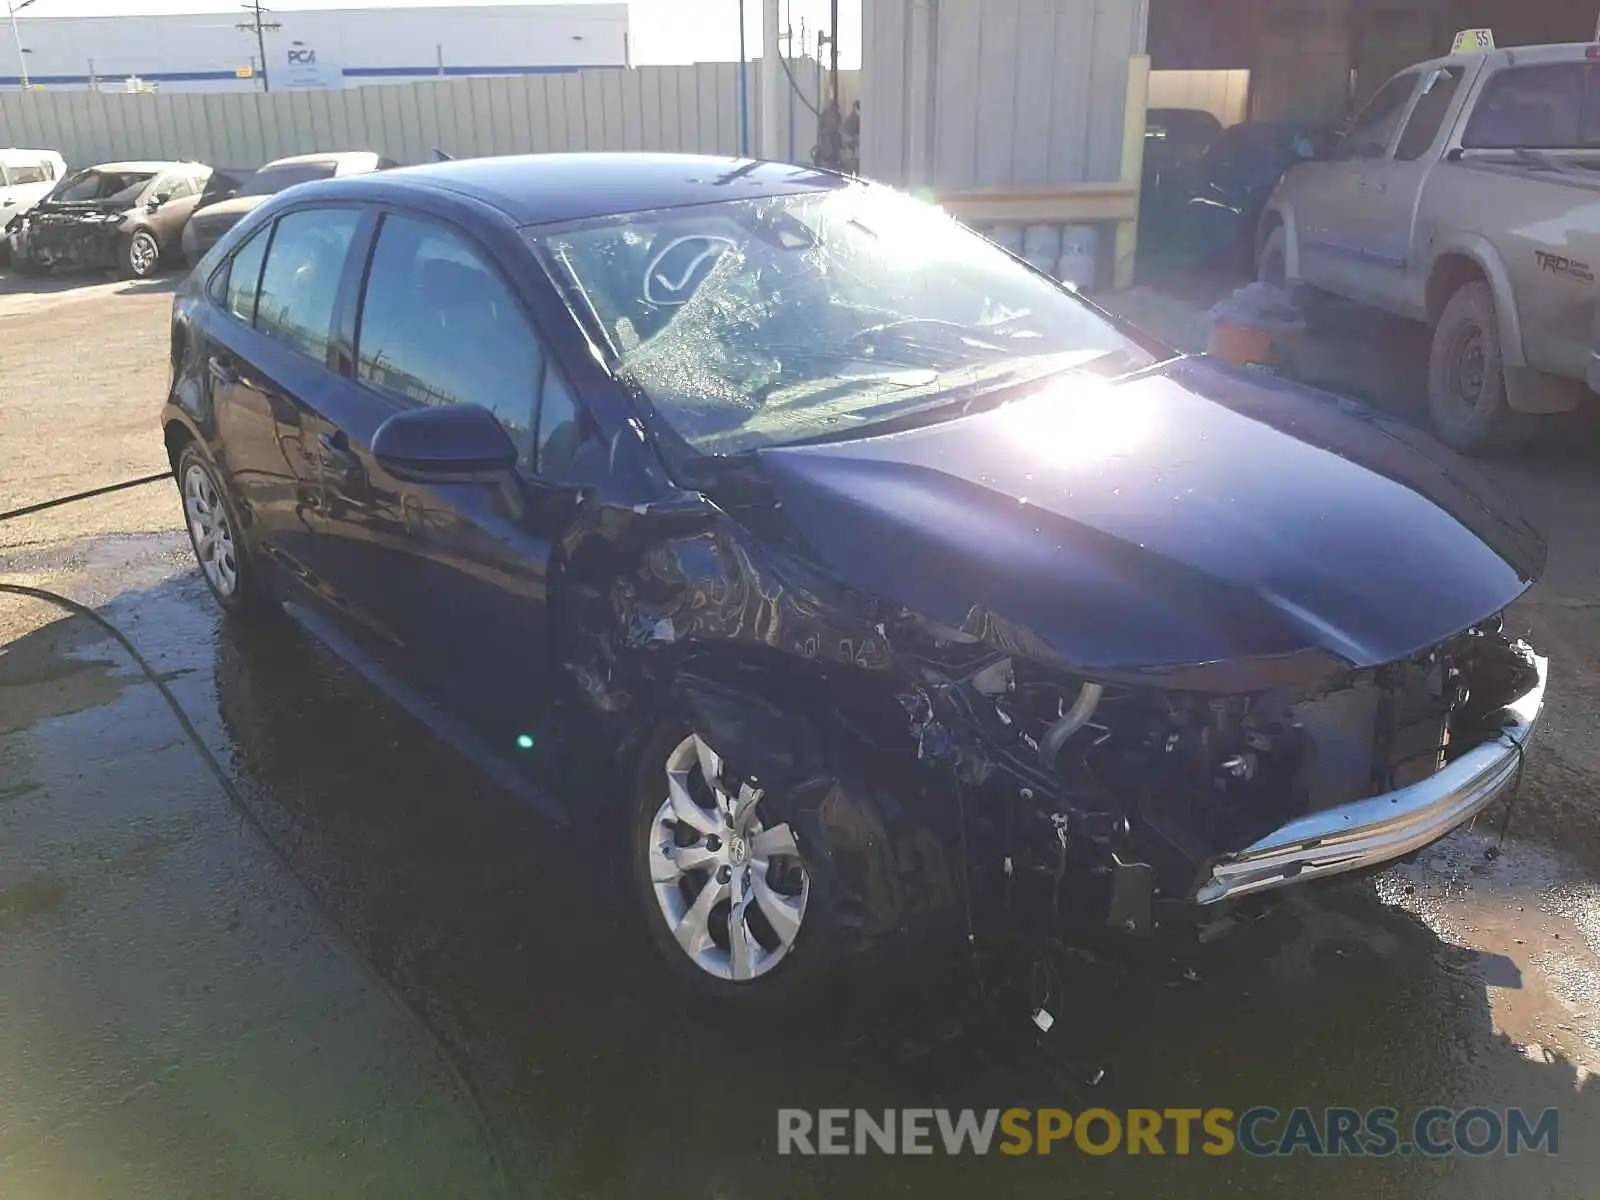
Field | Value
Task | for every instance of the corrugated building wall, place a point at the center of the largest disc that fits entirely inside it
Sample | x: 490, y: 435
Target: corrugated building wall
x: 996, y: 93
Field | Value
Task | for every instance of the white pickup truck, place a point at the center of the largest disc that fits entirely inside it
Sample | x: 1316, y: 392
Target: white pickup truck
x: 1466, y: 194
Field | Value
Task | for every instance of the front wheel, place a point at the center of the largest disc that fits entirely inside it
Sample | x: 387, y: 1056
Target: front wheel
x: 1467, y: 382
x: 141, y: 255
x: 732, y: 895
x: 25, y: 264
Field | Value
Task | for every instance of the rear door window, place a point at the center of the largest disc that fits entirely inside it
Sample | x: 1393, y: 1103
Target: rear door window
x: 1555, y: 106
x: 439, y: 326
x: 174, y: 187
x: 300, y: 283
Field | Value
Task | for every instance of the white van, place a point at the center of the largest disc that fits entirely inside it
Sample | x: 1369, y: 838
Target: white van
x: 26, y: 177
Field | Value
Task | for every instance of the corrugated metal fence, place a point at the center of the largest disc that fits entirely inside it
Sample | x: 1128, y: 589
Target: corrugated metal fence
x: 691, y: 109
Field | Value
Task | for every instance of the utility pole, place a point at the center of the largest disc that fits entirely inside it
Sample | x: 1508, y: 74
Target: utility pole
x: 833, y: 49
x: 260, y: 24
x: 744, y: 91
x: 16, y: 34
x: 772, y: 67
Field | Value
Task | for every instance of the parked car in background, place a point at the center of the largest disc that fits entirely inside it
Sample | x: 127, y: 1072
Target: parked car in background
x: 215, y: 218
x: 224, y: 184
x: 1173, y: 136
x: 1206, y: 210
x: 1466, y: 194
x: 123, y: 215
x: 867, y: 589
x: 26, y: 177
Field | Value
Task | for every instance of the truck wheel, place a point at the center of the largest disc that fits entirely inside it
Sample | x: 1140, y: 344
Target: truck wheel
x: 1272, y: 264
x: 1466, y: 379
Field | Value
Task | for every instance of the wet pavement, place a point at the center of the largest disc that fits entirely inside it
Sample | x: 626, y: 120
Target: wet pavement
x: 372, y: 972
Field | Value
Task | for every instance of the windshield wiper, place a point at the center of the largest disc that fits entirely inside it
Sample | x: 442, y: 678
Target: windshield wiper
x: 951, y: 404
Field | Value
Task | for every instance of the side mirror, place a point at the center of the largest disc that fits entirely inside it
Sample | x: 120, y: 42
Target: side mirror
x: 450, y: 443
x: 158, y: 200
x: 1304, y: 148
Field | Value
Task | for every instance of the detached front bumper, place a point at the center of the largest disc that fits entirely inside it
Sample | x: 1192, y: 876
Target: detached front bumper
x: 1378, y: 829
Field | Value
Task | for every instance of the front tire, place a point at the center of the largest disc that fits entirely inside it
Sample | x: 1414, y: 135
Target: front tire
x: 212, y: 520
x: 24, y: 264
x: 141, y: 255
x: 734, y: 898
x: 1466, y: 379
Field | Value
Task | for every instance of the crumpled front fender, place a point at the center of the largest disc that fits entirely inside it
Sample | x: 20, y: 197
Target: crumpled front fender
x: 859, y: 815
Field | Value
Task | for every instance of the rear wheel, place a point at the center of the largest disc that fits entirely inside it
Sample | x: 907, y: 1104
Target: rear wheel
x: 141, y: 255
x: 1467, y: 382
x: 213, y: 525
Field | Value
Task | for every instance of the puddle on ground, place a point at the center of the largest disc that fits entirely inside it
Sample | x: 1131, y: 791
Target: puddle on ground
x: 1533, y: 918
x: 63, y: 667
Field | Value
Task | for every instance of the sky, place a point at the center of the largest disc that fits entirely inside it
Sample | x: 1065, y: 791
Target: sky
x: 662, y: 31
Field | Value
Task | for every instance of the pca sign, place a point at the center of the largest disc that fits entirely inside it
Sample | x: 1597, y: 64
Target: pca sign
x: 304, y: 70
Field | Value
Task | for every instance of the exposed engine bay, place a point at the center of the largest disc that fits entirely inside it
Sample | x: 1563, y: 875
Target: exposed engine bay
x: 79, y: 236
x: 1107, y: 798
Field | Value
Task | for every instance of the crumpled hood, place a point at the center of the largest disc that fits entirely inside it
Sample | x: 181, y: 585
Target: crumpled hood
x: 79, y: 209
x: 1192, y: 514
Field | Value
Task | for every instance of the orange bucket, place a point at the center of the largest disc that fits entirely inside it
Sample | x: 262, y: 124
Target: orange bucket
x: 1241, y: 344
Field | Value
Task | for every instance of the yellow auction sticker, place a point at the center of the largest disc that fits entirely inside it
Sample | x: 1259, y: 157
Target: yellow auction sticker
x: 1469, y: 41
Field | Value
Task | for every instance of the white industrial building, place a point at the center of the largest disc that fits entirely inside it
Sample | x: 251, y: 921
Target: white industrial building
x: 312, y: 48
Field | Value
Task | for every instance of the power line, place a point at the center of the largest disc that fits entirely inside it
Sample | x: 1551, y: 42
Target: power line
x: 260, y: 23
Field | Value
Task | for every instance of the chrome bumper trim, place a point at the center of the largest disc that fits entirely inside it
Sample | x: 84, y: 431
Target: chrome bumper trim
x: 1369, y: 832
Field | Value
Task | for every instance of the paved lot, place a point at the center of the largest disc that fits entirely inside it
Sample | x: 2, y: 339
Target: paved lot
x: 410, y: 986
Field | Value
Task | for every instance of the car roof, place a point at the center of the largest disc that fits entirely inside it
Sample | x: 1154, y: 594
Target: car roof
x: 537, y: 189
x: 1511, y: 56
x: 154, y: 166
x: 329, y: 156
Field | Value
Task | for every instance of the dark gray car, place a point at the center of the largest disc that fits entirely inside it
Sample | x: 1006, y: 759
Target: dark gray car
x: 215, y: 219
x: 127, y: 215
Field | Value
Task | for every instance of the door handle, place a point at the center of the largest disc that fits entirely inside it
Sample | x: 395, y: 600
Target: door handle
x: 339, y: 458
x: 222, y: 372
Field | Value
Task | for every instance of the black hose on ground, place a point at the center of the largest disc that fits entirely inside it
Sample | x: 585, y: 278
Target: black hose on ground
x: 446, y: 1055
x: 89, y: 495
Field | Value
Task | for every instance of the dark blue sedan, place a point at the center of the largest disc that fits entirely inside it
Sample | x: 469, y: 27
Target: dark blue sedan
x: 878, y: 589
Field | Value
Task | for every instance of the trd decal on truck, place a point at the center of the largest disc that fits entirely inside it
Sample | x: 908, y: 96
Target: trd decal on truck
x: 1560, y: 264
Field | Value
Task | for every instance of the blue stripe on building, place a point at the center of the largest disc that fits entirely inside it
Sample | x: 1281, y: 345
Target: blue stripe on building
x: 420, y: 73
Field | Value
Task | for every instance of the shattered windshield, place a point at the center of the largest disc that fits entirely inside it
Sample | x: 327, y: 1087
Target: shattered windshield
x: 123, y: 186
x: 752, y: 323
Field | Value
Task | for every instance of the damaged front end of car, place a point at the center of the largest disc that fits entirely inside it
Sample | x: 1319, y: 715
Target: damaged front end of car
x: 1127, y: 802
x: 70, y: 235
x: 970, y: 779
